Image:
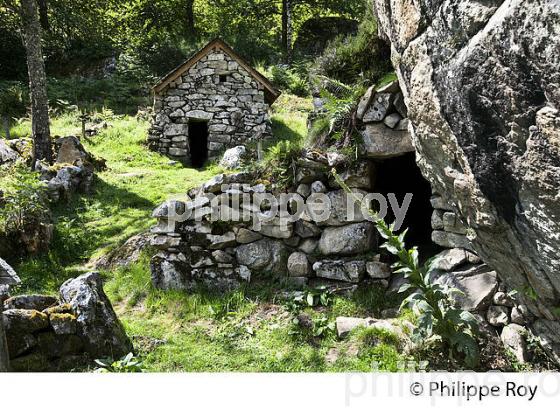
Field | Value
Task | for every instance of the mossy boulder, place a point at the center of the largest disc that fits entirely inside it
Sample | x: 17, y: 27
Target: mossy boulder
x: 63, y: 308
x: 24, y: 321
x: 97, y: 324
x: 52, y: 345
x: 63, y: 323
x: 35, y: 302
x: 34, y: 362
x: 20, y: 343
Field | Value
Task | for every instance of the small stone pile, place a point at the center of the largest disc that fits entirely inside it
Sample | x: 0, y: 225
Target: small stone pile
x: 498, y: 311
x: 45, y: 333
x: 73, y: 170
x: 385, y: 124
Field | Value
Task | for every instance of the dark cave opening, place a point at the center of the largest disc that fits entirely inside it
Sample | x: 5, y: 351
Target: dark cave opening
x: 400, y: 175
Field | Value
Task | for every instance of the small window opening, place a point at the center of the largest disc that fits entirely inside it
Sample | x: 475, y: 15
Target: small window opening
x: 223, y: 78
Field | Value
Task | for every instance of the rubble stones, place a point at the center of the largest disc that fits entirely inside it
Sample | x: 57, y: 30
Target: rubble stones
x: 347, y: 271
x: 497, y: 315
x: 348, y: 239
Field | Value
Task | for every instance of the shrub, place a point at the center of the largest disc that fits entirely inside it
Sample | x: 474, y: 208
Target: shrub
x: 121, y: 94
x: 12, y: 103
x: 363, y: 58
x: 291, y: 79
x: 336, y: 123
x: 127, y: 364
x: 279, y: 164
x: 24, y: 199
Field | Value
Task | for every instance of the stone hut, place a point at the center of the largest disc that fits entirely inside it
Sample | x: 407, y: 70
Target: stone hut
x: 213, y: 101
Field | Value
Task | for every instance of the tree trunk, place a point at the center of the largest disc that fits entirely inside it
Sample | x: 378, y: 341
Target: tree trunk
x: 43, y: 14
x: 189, y: 23
x: 287, y: 30
x: 6, y: 120
x: 31, y: 30
x: 4, y: 356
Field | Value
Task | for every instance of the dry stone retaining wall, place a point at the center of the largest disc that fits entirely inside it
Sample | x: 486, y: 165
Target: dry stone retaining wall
x: 224, y: 254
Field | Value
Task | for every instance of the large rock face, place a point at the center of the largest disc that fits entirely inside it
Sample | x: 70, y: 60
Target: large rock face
x: 481, y: 81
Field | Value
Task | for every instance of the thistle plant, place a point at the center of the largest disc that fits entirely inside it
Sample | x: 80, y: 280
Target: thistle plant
x: 431, y: 301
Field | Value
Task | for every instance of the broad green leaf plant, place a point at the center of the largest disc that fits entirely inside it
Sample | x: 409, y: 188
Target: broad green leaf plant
x: 127, y: 364
x: 431, y: 301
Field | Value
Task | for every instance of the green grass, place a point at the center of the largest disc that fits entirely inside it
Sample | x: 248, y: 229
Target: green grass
x: 124, y: 195
x: 289, y: 120
x: 246, y: 330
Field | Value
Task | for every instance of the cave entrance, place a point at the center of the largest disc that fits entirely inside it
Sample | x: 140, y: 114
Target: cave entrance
x: 400, y: 175
x: 198, y: 142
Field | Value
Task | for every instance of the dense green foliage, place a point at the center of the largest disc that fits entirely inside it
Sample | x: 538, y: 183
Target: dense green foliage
x: 362, y: 59
x: 12, y: 103
x: 23, y: 200
x: 80, y: 37
x: 127, y: 364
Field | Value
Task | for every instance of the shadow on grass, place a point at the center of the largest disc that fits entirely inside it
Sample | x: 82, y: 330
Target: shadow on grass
x: 83, y: 225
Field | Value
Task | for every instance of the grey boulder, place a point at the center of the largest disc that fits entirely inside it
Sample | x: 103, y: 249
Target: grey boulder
x: 477, y: 285
x: 33, y: 302
x: 349, y: 239
x: 346, y: 271
x: 233, y: 157
x: 298, y: 265
x: 514, y: 338
x: 98, y: 326
x: 265, y: 255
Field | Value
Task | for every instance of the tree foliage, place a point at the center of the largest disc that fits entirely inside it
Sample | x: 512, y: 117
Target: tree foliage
x: 79, y: 35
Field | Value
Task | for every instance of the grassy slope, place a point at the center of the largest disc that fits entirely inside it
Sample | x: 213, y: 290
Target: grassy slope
x: 248, y: 330
x: 135, y: 182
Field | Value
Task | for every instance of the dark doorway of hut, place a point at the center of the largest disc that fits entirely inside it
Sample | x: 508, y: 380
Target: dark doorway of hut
x: 198, y: 143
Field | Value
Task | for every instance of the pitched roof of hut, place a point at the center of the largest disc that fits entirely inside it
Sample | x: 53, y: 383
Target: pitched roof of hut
x: 270, y: 92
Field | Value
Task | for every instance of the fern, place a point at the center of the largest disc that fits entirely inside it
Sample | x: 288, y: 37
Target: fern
x: 339, y: 109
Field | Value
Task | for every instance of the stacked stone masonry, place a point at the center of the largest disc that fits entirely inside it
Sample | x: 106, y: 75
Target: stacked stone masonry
x: 384, y: 122
x: 46, y: 333
x: 225, y: 254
